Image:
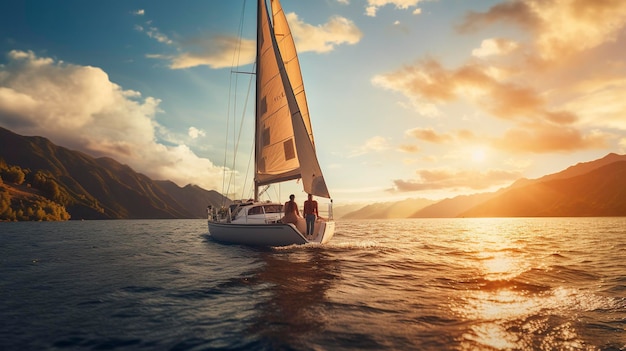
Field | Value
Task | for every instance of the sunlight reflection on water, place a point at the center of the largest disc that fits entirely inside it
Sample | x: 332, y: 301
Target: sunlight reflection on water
x: 506, y: 312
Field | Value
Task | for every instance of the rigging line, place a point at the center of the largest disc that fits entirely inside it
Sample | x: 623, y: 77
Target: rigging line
x: 237, y: 141
x: 236, y: 59
x: 248, y: 168
x: 241, y: 129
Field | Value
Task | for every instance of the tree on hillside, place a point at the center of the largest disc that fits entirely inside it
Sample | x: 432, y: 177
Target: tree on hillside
x: 34, y: 208
x: 48, y: 186
x: 6, y: 212
x: 13, y: 174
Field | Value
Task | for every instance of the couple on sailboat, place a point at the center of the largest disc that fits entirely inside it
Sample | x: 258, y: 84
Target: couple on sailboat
x: 310, y: 210
x: 284, y: 148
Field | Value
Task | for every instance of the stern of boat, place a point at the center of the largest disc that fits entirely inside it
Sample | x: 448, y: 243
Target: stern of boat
x: 324, y: 231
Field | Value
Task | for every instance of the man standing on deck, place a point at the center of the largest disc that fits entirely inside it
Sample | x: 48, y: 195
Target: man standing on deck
x: 310, y: 214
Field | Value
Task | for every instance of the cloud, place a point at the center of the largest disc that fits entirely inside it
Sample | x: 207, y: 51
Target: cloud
x: 216, y: 52
x: 219, y: 51
x: 518, y: 95
x: 465, y: 134
x: 408, y: 148
x: 195, y: 133
x: 80, y: 108
x: 622, y: 144
x: 495, y: 47
x: 516, y: 11
x: 560, y: 27
x: 139, y: 12
x: 429, y: 135
x: 550, y: 138
x: 155, y: 34
x: 323, y: 38
x: 373, y: 144
x: 438, y: 179
x: 373, y: 5
x: 603, y: 105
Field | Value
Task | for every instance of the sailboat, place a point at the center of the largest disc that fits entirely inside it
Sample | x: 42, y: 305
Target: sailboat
x: 284, y: 145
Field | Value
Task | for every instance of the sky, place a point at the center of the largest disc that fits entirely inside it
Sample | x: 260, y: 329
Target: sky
x: 408, y: 98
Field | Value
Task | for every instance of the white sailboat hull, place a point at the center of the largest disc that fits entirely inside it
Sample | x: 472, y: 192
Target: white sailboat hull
x: 277, y: 234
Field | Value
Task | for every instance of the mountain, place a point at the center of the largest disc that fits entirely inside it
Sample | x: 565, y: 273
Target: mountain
x: 599, y: 192
x: 559, y: 194
x: 584, y: 167
x: 194, y: 197
x: 388, y: 210
x: 339, y: 211
x: 450, y: 208
x: 101, y: 188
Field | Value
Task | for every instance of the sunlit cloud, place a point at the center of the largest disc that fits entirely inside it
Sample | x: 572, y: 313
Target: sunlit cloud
x: 512, y: 98
x: 465, y: 134
x: 428, y: 135
x: 323, y: 38
x: 601, y: 103
x: 517, y: 11
x: 195, y: 133
x: 373, y: 5
x: 215, y: 52
x: 622, y: 145
x: 409, y: 148
x: 562, y: 93
x: 495, y: 47
x: 549, y: 138
x: 80, y: 108
x: 139, y: 12
x: 373, y: 144
x: 155, y: 34
x: 437, y: 179
x: 560, y: 27
x: 219, y: 51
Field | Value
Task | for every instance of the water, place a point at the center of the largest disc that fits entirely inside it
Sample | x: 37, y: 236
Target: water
x: 424, y: 284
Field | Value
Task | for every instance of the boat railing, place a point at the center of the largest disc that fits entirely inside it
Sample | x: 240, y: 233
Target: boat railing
x: 328, y: 212
x: 330, y: 209
x: 222, y: 215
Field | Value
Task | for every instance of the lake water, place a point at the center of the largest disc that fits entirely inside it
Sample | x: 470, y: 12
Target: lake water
x: 423, y: 284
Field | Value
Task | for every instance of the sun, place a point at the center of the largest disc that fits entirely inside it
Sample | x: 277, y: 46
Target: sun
x: 479, y: 154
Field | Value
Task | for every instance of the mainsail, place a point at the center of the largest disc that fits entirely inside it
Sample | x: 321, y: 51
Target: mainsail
x: 284, y: 139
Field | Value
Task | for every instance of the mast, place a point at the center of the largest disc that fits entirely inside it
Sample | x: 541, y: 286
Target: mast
x: 257, y: 152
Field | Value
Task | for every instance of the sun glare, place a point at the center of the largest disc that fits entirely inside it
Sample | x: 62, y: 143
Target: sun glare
x: 479, y: 155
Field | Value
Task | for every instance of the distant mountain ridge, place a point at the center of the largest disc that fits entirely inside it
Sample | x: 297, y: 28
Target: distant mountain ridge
x: 598, y: 193
x: 388, y: 210
x: 594, y: 188
x: 102, y: 188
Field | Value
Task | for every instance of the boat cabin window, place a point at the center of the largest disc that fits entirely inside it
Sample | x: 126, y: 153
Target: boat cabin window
x: 255, y: 210
x: 262, y: 209
x: 275, y: 208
